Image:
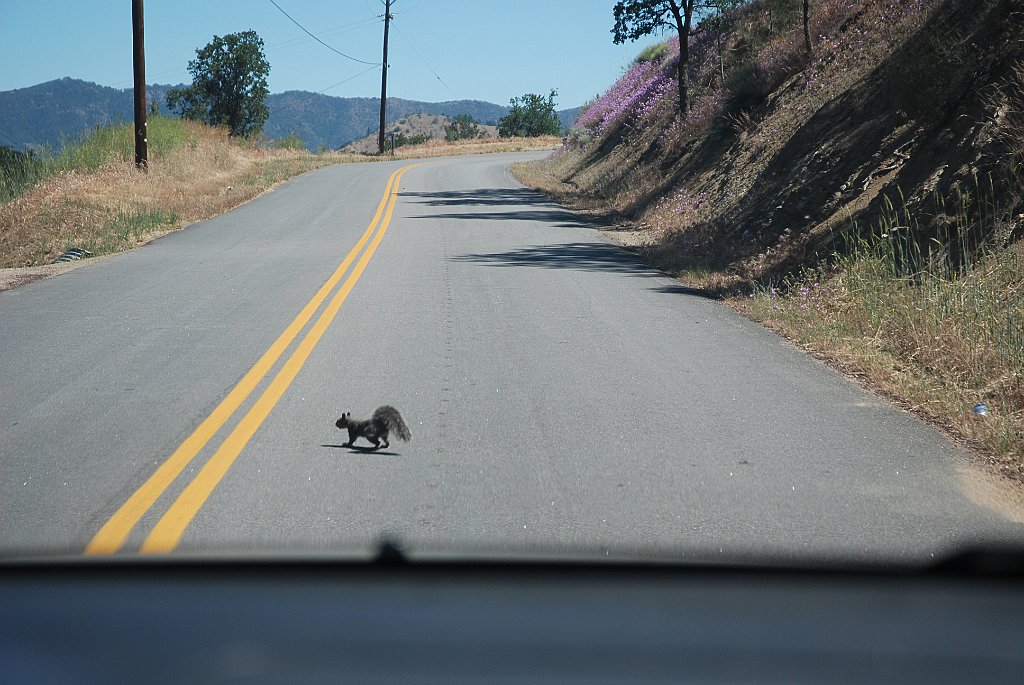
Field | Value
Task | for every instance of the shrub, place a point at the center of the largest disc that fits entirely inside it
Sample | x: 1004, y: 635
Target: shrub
x: 403, y: 139
x: 919, y: 81
x: 292, y: 141
x: 462, y: 127
x: 748, y: 86
x: 652, y: 53
x: 580, y: 135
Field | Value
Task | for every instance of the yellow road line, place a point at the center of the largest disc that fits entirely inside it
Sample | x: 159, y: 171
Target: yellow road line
x: 169, y: 529
x: 112, y: 536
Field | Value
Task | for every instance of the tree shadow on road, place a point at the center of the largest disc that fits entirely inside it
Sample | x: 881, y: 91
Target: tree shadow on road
x: 586, y: 256
x: 554, y: 217
x: 519, y: 204
x: 523, y: 204
x: 477, y: 197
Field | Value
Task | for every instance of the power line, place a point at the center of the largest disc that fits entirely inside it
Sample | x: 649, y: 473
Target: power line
x: 292, y: 42
x: 332, y: 49
x: 335, y: 85
x: 413, y: 47
x: 310, y: 97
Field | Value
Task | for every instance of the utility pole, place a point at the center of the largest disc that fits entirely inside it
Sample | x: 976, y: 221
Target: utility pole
x: 139, y: 63
x: 384, y: 79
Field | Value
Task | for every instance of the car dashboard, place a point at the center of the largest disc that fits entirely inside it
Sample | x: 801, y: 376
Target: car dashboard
x: 391, y: 620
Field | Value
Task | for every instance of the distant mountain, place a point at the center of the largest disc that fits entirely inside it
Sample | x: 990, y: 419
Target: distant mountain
x: 47, y: 114
x: 332, y: 122
x: 567, y: 117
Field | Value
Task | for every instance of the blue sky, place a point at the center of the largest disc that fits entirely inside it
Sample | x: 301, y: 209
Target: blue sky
x: 482, y: 50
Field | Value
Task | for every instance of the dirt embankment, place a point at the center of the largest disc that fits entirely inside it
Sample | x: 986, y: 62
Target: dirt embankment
x: 866, y: 200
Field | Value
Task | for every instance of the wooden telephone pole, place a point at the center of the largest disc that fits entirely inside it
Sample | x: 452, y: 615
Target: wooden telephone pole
x: 383, y: 79
x: 139, y: 63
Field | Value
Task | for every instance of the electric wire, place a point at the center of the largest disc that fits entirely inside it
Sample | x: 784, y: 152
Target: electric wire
x: 413, y: 47
x: 345, y: 28
x: 332, y: 49
x: 334, y: 85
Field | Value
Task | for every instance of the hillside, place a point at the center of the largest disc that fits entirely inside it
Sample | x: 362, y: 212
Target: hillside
x: 429, y: 125
x: 864, y: 200
x: 47, y: 114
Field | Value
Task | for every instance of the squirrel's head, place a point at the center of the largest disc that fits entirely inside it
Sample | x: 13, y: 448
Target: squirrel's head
x: 343, y: 421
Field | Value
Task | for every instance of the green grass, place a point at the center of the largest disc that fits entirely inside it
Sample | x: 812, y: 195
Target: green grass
x: 292, y: 141
x: 652, y: 53
x: 117, y: 144
x: 937, y: 321
x: 106, y: 144
x: 126, y: 229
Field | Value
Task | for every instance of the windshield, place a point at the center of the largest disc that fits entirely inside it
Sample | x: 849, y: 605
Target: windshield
x: 752, y: 297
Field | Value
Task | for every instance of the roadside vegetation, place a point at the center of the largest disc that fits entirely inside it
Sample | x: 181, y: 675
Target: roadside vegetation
x: 530, y: 116
x: 463, y: 127
x: 229, y: 85
x: 90, y: 195
x: 858, y: 186
x: 471, y: 146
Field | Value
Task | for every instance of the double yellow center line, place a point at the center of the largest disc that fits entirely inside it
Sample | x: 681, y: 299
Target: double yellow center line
x: 168, y: 530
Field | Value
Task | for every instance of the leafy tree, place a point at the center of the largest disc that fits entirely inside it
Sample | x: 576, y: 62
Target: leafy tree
x: 529, y: 117
x: 229, y: 85
x: 719, y: 21
x: 462, y: 127
x: 403, y: 139
x: 637, y: 18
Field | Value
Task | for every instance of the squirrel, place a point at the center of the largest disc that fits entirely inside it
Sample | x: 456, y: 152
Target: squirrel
x: 376, y: 429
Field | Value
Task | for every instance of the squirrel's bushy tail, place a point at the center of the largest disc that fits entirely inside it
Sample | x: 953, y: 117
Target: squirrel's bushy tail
x: 390, y: 417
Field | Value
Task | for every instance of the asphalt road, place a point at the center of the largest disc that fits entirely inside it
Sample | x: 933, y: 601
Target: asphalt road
x: 563, y: 397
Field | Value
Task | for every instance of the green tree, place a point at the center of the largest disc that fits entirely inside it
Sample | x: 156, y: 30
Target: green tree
x: 229, y: 85
x: 637, y: 18
x: 462, y: 127
x: 719, y: 21
x: 403, y: 139
x: 533, y: 115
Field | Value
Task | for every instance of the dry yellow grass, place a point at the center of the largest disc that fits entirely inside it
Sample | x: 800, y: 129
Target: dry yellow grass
x: 937, y: 344
x: 440, y: 148
x: 115, y: 206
